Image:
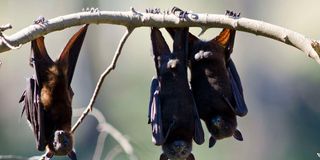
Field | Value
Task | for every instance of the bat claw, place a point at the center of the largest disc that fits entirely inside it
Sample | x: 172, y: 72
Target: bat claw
x: 232, y: 14
x: 41, y: 21
x: 153, y: 10
x: 181, y: 13
x: 237, y: 135
x: 212, y: 141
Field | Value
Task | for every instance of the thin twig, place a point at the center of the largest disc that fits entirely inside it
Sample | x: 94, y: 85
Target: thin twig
x: 102, y: 77
x: 117, y: 136
x: 114, y: 152
x: 4, y: 40
x: 5, y: 27
x: 104, y: 129
x: 100, y: 145
x: 13, y: 157
x: 139, y: 19
x: 3, y: 37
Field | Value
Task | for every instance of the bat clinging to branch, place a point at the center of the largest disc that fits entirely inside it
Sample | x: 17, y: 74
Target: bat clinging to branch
x: 172, y: 112
x: 48, y: 96
x: 216, y: 84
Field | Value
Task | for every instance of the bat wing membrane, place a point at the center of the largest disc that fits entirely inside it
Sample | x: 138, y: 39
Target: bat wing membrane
x: 70, y: 53
x: 34, y: 112
x: 155, y: 114
x: 226, y: 39
x: 240, y: 106
x: 198, y: 130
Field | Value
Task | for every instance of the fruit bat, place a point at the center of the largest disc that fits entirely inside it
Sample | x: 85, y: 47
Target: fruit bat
x: 215, y: 83
x: 48, y: 96
x: 172, y: 111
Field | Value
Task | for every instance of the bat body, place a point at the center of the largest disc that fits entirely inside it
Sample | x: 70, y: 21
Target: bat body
x: 48, y: 96
x: 172, y: 111
x: 215, y: 83
x: 216, y: 86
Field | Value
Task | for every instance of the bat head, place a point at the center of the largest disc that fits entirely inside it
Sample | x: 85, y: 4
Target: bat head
x: 62, y: 143
x: 221, y: 127
x: 178, y: 150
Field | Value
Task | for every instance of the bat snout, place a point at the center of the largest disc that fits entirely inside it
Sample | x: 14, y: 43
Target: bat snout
x: 177, y: 150
x: 217, y: 121
x: 62, y: 143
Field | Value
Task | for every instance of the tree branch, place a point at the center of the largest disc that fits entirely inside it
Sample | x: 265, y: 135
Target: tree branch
x: 134, y: 19
x: 102, y: 77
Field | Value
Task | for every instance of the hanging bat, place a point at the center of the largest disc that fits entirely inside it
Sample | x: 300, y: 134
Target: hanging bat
x: 48, y: 96
x: 215, y: 83
x: 172, y: 111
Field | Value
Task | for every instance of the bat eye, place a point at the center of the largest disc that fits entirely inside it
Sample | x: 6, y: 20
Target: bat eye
x: 66, y: 142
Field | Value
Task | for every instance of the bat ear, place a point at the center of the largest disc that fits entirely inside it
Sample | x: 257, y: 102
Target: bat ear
x: 226, y: 40
x: 163, y: 157
x: 191, y: 157
x: 212, y: 141
x: 159, y: 44
x: 40, y: 58
x: 70, y: 53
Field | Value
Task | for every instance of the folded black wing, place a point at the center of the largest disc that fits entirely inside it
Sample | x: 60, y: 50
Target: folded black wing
x: 155, y: 114
x: 198, y: 130
x: 240, y: 106
x: 34, y: 112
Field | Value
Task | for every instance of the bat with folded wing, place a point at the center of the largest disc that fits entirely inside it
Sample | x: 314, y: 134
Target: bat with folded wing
x: 215, y: 82
x: 48, y: 96
x: 172, y: 111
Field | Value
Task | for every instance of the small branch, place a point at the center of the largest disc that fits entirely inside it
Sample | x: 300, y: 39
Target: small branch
x: 3, y: 37
x: 5, y: 27
x: 105, y: 129
x: 113, y: 153
x: 102, y: 77
x: 100, y: 145
x: 13, y: 157
x: 135, y: 19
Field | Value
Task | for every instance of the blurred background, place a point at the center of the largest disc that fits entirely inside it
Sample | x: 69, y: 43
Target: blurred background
x: 281, y: 84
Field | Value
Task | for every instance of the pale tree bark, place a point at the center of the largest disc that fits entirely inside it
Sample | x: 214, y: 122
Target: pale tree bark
x: 134, y: 19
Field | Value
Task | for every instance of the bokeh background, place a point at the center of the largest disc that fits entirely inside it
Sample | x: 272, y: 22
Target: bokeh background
x: 281, y: 84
